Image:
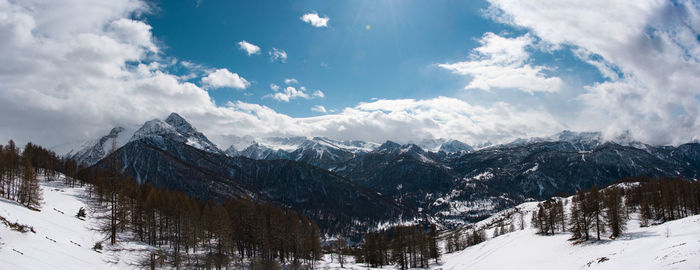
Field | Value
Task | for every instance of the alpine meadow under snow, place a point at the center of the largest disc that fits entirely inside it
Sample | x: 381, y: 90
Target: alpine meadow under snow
x: 350, y: 134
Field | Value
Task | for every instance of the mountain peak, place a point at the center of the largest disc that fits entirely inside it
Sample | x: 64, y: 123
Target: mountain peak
x: 180, y: 124
x: 175, y: 128
x: 455, y: 146
x: 388, y: 146
x: 115, y: 131
x: 174, y: 117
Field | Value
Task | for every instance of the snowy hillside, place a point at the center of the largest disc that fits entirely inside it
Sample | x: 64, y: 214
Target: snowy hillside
x: 61, y: 241
x: 672, y: 245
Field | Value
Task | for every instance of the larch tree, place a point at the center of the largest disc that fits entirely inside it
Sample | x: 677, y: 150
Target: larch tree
x: 595, y: 205
x: 615, y: 217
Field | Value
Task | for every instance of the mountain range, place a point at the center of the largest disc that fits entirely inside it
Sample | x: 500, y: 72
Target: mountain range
x: 343, y: 184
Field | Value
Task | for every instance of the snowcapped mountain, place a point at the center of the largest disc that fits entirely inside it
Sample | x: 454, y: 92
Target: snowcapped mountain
x: 174, y: 127
x: 93, y: 151
x: 172, y: 154
x: 451, y: 182
x: 318, y: 151
x: 328, y: 153
x: 257, y: 151
x: 404, y: 172
x: 499, y: 177
x: 457, y: 182
x: 454, y: 148
x: 177, y: 129
x: 582, y: 141
x: 447, y: 146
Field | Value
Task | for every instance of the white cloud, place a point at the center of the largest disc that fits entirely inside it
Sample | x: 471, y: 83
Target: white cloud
x: 277, y: 55
x: 382, y: 120
x: 313, y: 19
x: 91, y: 68
x: 224, y: 78
x: 288, y: 94
x: 318, y: 94
x: 134, y: 32
x: 647, y: 50
x: 319, y: 108
x: 249, y: 48
x: 78, y: 70
x: 502, y: 62
x: 291, y: 92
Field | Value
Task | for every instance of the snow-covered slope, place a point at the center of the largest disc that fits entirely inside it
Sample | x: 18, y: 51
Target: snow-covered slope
x: 672, y: 245
x: 61, y: 241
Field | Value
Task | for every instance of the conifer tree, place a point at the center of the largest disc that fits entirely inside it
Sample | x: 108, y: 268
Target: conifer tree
x: 30, y: 191
x: 340, y: 249
x: 615, y: 217
x: 596, y: 210
x: 433, y: 245
x: 580, y: 216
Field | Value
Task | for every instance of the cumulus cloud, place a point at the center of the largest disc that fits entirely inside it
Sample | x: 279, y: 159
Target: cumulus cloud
x: 277, y: 55
x: 319, y: 108
x: 249, y: 48
x: 502, y: 62
x: 224, y: 78
x: 318, y: 94
x: 441, y: 117
x: 289, y: 93
x: 315, y: 20
x: 647, y: 50
x: 75, y: 76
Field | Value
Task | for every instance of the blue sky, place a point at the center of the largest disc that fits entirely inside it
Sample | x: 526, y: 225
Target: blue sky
x: 395, y: 59
x: 475, y: 71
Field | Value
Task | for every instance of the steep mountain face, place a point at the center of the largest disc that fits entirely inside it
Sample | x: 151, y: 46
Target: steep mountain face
x: 175, y: 128
x: 257, y: 151
x: 92, y: 152
x: 320, y: 152
x: 406, y: 173
x: 454, y: 148
x: 353, y: 182
x: 473, y: 185
x: 162, y: 155
x: 492, y: 179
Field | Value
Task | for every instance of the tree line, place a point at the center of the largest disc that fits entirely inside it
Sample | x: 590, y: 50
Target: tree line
x: 20, y: 171
x: 409, y: 246
x: 662, y: 199
x: 458, y: 239
x: 596, y: 212
x: 185, y: 231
